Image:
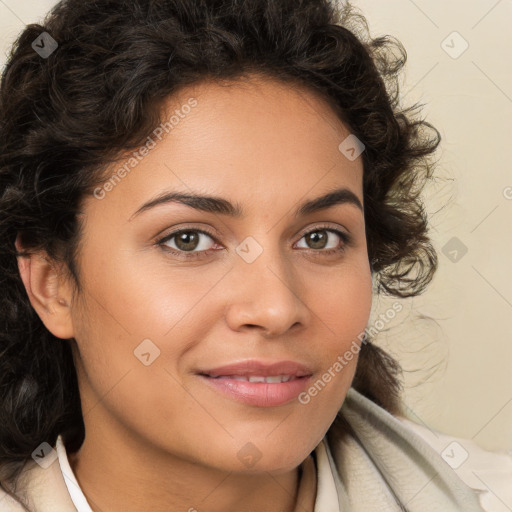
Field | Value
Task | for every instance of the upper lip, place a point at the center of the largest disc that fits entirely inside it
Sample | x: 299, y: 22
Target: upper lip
x: 253, y: 367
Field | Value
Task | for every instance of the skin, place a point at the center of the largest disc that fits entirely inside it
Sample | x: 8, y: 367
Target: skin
x: 157, y: 438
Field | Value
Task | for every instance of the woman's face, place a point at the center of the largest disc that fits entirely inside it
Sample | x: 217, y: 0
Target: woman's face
x: 272, y: 284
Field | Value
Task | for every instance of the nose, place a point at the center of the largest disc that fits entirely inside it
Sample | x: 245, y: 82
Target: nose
x: 266, y: 296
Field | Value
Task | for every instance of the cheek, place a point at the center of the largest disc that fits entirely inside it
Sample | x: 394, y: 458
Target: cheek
x: 342, y: 308
x: 140, y: 297
x: 130, y: 318
x: 342, y: 302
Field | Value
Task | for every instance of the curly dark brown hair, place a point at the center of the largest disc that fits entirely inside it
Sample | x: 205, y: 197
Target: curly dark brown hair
x: 66, y: 117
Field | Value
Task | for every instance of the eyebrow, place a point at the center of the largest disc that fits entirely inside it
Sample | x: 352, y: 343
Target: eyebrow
x: 213, y: 204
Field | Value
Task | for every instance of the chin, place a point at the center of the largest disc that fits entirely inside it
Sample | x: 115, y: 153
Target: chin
x: 260, y: 456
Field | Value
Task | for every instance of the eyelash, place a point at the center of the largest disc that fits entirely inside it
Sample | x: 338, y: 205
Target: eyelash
x: 346, y: 238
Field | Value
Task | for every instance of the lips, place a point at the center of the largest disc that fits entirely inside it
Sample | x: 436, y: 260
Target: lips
x: 257, y: 383
x: 253, y: 368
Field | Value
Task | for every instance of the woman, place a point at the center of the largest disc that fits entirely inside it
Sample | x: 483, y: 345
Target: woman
x: 197, y: 201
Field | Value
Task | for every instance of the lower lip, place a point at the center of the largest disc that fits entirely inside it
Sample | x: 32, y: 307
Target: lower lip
x: 261, y: 394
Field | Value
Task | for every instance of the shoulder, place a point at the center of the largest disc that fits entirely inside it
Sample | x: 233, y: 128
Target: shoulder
x: 488, y: 473
x: 23, y: 482
x: 9, y: 504
x: 393, y: 462
x: 41, y: 487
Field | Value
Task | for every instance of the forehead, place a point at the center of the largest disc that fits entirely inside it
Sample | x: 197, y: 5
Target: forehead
x: 256, y: 108
x: 245, y: 139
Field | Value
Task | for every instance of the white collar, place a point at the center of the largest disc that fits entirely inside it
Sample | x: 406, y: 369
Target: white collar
x: 328, y: 486
x: 77, y: 496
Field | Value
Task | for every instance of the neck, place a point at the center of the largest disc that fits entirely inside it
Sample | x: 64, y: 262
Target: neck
x: 118, y: 474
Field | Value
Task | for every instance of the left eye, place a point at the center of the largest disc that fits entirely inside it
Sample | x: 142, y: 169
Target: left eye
x: 319, y: 238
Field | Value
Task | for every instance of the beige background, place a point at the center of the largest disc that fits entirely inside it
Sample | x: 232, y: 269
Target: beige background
x: 454, y: 341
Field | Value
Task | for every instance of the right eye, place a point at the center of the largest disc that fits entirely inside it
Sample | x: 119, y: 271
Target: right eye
x: 187, y: 241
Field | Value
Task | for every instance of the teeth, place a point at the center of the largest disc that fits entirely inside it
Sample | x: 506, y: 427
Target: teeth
x: 254, y: 378
x: 258, y: 378
x: 274, y: 379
